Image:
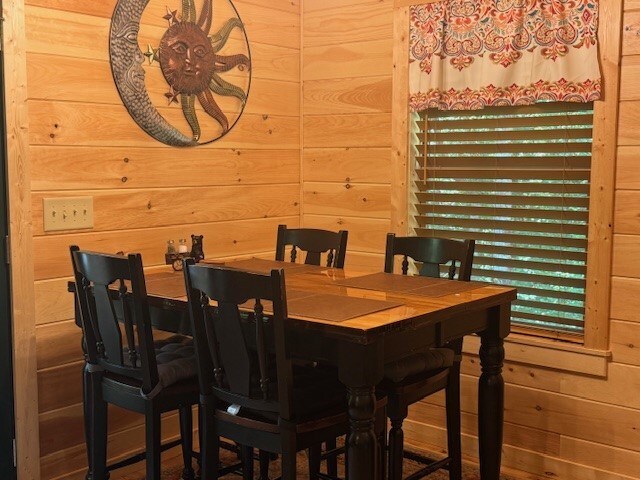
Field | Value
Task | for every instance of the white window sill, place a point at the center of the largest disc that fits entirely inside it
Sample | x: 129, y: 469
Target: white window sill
x: 548, y: 353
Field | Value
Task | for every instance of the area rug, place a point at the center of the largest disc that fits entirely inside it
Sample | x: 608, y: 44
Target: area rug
x: 469, y: 471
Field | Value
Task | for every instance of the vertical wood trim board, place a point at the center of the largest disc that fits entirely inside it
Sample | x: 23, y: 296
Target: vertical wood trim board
x: 20, y: 235
x: 400, y: 125
x: 603, y: 175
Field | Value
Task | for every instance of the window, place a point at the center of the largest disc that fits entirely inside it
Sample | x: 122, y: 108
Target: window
x: 515, y: 179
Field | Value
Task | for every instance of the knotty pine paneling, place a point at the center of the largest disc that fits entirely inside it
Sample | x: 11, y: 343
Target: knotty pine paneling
x: 540, y: 440
x: 627, y: 171
x: 81, y: 124
x: 310, y: 6
x: 625, y: 342
x: 53, y: 301
x: 358, y: 200
x: 107, y: 167
x: 347, y: 95
x: 121, y: 209
x: 352, y: 22
x: 65, y: 381
x: 58, y: 344
x: 346, y: 103
x: 83, y: 142
x: 363, y: 130
x: 629, y: 78
x: 630, y: 37
x: 557, y: 422
x: 220, y: 239
x: 627, y: 212
x: 608, y: 424
x: 54, y: 77
x: 266, y: 22
x: 516, y: 460
x: 70, y: 463
x: 347, y: 164
x: 626, y: 257
x: 625, y: 292
x: 357, y: 59
x: 365, y: 234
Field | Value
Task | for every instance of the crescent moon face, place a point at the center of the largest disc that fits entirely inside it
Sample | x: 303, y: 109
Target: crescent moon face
x: 192, y: 61
x: 126, y: 65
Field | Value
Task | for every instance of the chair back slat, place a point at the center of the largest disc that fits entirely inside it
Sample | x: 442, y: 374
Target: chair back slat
x: 314, y: 242
x: 115, y: 320
x: 232, y: 348
x: 106, y: 320
x: 239, y: 346
x: 432, y: 252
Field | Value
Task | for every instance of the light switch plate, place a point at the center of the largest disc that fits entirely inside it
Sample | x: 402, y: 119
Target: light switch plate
x: 68, y: 213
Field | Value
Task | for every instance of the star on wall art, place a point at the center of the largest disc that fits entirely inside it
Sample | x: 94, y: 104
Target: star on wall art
x: 207, y: 75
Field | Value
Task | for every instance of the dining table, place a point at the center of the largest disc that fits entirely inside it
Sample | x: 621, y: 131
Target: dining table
x: 358, y: 322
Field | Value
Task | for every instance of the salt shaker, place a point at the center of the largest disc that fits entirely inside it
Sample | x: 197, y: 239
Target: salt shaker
x: 182, y: 246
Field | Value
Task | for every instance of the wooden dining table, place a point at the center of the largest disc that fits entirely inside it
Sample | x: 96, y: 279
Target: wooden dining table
x: 359, y: 322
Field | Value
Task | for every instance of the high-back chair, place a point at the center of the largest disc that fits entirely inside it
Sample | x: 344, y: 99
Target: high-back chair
x: 250, y: 392
x: 314, y: 242
x: 125, y: 366
x: 419, y: 375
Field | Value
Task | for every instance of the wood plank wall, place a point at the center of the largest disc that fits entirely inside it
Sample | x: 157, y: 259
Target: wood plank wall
x: 346, y: 103
x: 83, y: 142
x: 558, y: 424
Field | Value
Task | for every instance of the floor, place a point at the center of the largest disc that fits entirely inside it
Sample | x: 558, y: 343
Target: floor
x: 172, y: 463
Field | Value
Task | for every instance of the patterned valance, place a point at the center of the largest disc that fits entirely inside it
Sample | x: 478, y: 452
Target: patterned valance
x: 471, y: 54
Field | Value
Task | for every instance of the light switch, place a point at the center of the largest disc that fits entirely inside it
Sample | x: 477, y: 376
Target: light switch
x: 68, y: 213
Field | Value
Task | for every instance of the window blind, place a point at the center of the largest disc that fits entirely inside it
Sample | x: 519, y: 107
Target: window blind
x: 515, y: 179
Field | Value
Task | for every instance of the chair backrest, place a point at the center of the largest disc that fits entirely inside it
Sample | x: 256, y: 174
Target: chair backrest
x: 315, y: 242
x: 431, y: 252
x: 114, y: 311
x: 235, y: 352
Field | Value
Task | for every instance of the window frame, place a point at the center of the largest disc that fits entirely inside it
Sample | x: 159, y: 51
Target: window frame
x: 603, y: 160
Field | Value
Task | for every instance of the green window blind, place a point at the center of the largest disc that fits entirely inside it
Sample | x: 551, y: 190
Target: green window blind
x: 515, y: 179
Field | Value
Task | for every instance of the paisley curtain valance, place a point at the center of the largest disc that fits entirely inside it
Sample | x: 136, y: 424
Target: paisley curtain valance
x: 471, y: 54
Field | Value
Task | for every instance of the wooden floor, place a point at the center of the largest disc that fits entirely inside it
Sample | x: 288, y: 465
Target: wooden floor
x: 172, y: 461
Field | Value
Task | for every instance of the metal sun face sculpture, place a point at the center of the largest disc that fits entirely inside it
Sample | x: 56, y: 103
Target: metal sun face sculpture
x: 192, y: 64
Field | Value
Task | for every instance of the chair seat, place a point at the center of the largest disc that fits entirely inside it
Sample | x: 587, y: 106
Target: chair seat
x: 316, y: 392
x: 176, y: 360
x: 175, y: 357
x: 431, y: 359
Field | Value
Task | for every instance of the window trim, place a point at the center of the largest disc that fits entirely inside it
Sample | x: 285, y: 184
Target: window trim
x: 602, y: 191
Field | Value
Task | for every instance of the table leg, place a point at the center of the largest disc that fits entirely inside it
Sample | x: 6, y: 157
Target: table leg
x: 360, y: 369
x: 86, y: 396
x: 490, y: 405
x: 362, y: 444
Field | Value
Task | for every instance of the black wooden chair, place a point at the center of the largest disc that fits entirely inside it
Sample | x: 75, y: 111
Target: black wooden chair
x: 124, y: 365
x: 250, y: 390
x: 423, y: 373
x: 315, y: 242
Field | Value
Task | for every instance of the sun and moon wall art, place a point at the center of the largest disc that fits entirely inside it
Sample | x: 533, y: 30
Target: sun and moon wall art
x: 183, y: 71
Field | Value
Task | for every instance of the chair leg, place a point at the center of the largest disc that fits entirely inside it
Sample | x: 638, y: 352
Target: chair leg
x: 396, y: 447
x: 264, y: 465
x: 152, y: 432
x: 382, y: 444
x: 315, y: 456
x: 288, y: 465
x: 186, y: 433
x: 87, y: 410
x: 98, y: 420
x: 209, y: 444
x: 247, y: 462
x: 332, y: 461
x: 453, y: 424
